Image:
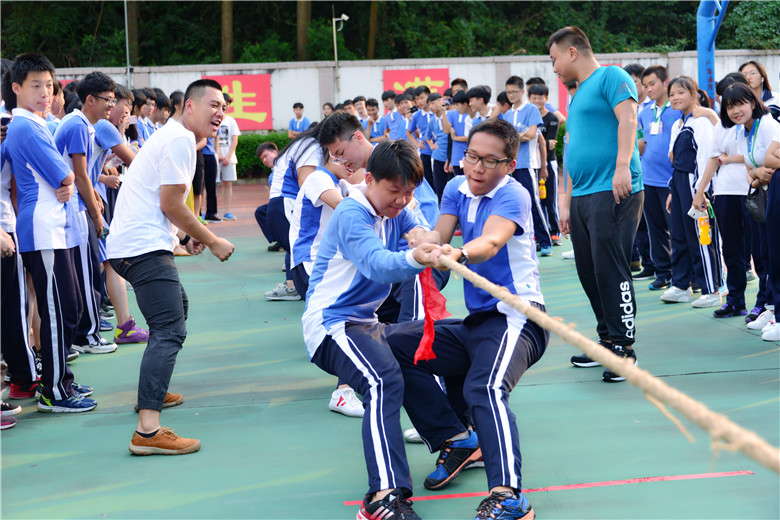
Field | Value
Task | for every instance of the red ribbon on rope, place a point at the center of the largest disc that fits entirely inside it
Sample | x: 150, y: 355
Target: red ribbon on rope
x: 435, y: 306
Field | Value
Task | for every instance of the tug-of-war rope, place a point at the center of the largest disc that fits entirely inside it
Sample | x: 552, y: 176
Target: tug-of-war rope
x: 725, y: 434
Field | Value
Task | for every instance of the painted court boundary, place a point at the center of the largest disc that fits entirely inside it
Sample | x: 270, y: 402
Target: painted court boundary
x: 582, y: 486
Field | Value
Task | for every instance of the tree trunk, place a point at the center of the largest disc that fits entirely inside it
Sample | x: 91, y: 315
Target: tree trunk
x: 227, y: 31
x: 373, y: 27
x: 132, y: 31
x: 304, y: 19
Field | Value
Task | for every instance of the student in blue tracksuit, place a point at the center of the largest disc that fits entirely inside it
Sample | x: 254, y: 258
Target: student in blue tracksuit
x: 375, y: 124
x: 299, y: 123
x: 357, y: 261
x: 491, y: 349
x: 440, y: 142
x: 418, y: 128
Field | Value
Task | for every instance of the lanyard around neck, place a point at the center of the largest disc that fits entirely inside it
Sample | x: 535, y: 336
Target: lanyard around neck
x: 751, y: 141
x: 658, y: 115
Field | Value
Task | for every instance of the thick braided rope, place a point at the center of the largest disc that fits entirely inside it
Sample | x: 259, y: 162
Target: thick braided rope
x: 724, y: 433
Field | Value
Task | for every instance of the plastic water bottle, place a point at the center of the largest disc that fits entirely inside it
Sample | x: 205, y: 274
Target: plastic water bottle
x: 542, y: 189
x: 705, y: 233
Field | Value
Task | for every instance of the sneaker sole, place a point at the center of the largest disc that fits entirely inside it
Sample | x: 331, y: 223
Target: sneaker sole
x: 62, y: 409
x: 586, y: 365
x: 667, y: 300
x: 19, y: 397
x: 473, y: 458
x: 126, y: 341
x: 151, y: 450
x: 86, y: 349
x: 283, y: 298
x: 13, y: 411
x: 344, y: 411
x: 617, y: 378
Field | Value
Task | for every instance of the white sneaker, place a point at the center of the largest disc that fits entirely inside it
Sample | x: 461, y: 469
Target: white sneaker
x: 771, y: 333
x: 101, y: 346
x: 708, y: 300
x: 282, y: 293
x: 768, y: 326
x: 412, y: 437
x: 568, y: 254
x: 345, y: 401
x: 676, y: 295
x: 764, y: 319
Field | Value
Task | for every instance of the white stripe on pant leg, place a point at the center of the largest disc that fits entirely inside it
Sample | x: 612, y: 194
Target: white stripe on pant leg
x: 47, y: 259
x: 21, y: 282
x: 537, y: 201
x: 419, y: 310
x: 500, y: 366
x: 86, y: 289
x: 377, y: 429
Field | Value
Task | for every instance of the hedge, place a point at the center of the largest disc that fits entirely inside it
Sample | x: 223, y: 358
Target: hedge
x: 249, y: 164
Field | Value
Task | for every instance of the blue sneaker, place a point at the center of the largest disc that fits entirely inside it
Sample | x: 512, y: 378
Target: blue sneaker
x: 228, y: 216
x: 505, y: 506
x: 105, y: 325
x: 73, y: 404
x: 545, y: 251
x: 454, y: 457
x: 82, y: 390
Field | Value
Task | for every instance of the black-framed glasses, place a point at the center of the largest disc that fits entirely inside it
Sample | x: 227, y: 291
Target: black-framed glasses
x: 487, y: 162
x: 111, y: 101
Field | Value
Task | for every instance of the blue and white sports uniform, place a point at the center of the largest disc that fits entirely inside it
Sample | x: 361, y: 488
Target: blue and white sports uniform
x: 377, y: 129
x: 38, y: 168
x: 458, y: 122
x: 76, y: 135
x: 357, y: 261
x: 420, y: 122
x: 491, y: 349
x: 522, y: 118
x: 397, y: 125
x: 47, y: 230
x: 106, y: 137
x: 299, y: 125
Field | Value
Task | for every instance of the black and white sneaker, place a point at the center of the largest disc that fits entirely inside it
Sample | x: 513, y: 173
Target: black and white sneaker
x: 395, y: 506
x: 584, y: 361
x: 623, y: 352
x: 645, y: 274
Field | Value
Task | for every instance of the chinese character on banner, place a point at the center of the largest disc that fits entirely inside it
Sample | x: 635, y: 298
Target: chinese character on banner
x: 438, y: 80
x: 251, y: 94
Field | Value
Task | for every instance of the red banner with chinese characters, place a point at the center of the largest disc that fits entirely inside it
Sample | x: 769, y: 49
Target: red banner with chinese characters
x: 438, y: 80
x: 251, y: 94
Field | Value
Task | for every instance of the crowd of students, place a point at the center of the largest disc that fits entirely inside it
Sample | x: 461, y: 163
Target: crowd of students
x: 361, y: 204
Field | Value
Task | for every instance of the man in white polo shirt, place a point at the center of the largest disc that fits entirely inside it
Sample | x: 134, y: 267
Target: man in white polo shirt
x: 150, y: 218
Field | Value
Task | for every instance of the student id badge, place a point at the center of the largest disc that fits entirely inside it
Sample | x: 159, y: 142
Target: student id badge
x: 655, y: 128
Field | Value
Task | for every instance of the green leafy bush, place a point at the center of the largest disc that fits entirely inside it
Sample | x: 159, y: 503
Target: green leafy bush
x: 249, y: 164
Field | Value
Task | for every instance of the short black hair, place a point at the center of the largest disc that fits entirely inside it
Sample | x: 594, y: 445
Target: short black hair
x: 396, y: 160
x: 479, y: 92
x: 371, y: 102
x: 503, y: 98
x: 448, y: 92
x: 328, y: 105
x: 122, y: 92
x: 402, y: 97
x: 347, y: 102
x: 501, y: 129
x: 298, y: 105
x: 570, y: 36
x: 460, y: 97
x: 409, y: 92
x: 196, y: 88
x: 139, y: 98
x: 72, y: 86
x: 460, y: 81
x: 433, y: 96
x: 338, y: 107
x: 634, y: 69
x: 659, y: 71
x: 338, y: 125
x: 538, y: 89
x: 516, y: 81
x: 535, y: 81
x: 359, y: 98
x: 162, y: 100
x: 388, y: 94
x: 150, y: 94
x: 422, y: 89
x: 72, y: 102
x: 266, y: 145
x: 94, y: 83
x: 24, y: 64
x: 177, y: 98
x: 737, y: 94
x: 228, y: 98
x: 728, y: 80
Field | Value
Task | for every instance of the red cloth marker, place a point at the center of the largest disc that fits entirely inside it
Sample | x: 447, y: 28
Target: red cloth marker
x: 435, y: 306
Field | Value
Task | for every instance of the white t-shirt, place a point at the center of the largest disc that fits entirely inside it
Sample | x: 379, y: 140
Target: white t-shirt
x: 768, y: 130
x: 139, y: 226
x: 227, y: 130
x: 731, y: 178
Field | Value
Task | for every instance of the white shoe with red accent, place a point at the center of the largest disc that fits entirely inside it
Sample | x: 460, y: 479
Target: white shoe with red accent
x: 345, y: 401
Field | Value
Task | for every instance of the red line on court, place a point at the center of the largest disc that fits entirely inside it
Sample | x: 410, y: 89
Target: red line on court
x: 581, y: 486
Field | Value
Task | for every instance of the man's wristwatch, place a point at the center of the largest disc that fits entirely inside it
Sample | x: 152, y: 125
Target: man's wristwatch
x: 184, y: 240
x: 464, y: 256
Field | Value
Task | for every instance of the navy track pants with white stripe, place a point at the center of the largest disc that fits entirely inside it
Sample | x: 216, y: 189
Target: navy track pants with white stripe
x: 14, y: 333
x: 489, y: 354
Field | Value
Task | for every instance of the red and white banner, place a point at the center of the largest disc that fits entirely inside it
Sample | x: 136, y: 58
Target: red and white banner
x: 251, y: 94
x: 438, y: 80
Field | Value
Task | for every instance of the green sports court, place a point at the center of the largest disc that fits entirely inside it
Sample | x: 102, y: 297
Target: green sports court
x: 273, y: 450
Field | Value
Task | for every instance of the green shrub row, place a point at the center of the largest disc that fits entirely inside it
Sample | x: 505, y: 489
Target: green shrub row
x: 249, y: 165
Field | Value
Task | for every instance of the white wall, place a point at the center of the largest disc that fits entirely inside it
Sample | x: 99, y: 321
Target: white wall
x: 311, y: 84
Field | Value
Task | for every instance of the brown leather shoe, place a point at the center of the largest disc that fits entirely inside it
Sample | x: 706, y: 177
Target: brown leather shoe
x: 165, y: 442
x: 170, y: 400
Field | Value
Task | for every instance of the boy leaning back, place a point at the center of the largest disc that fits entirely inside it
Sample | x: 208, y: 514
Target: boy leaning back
x: 357, y: 261
x: 495, y: 344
